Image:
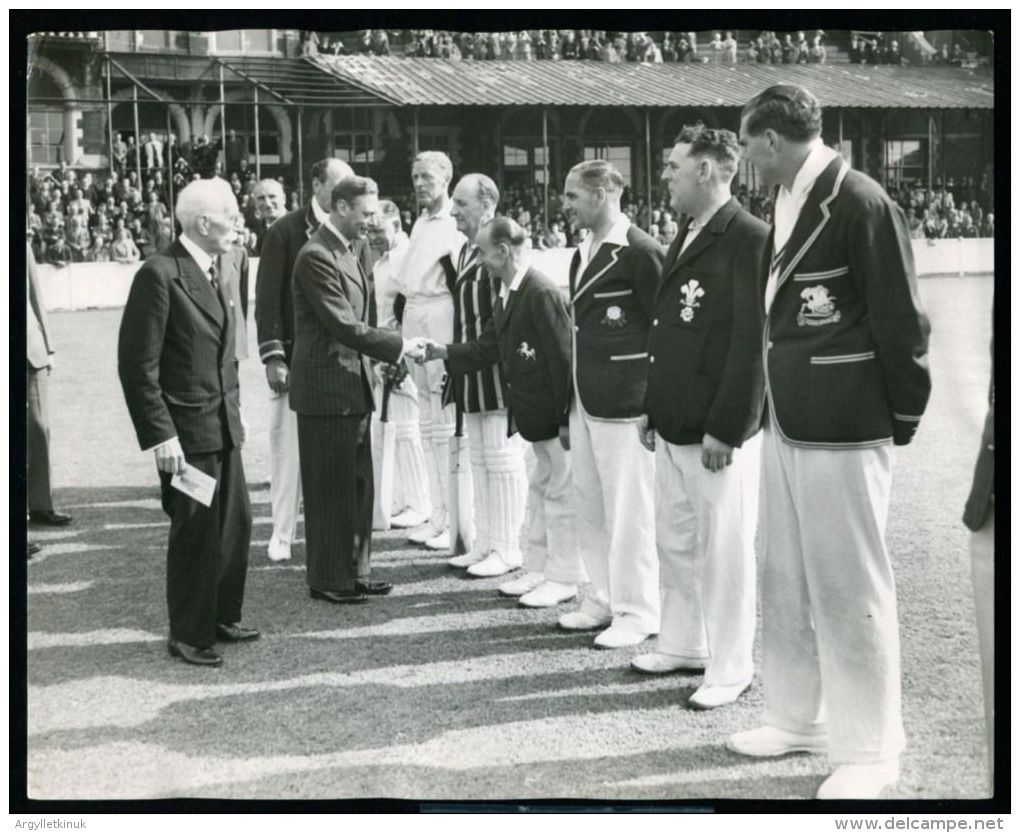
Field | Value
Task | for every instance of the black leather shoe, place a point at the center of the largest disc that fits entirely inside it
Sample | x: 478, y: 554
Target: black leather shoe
x: 33, y: 548
x: 49, y: 518
x: 373, y: 588
x: 338, y: 598
x: 193, y: 655
x: 236, y: 633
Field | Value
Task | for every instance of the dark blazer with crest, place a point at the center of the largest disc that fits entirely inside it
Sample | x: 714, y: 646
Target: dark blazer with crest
x: 846, y: 339
x: 176, y: 357
x: 611, y: 304
x: 704, y: 346
x: 530, y: 339
x: 334, y: 304
x: 274, y: 303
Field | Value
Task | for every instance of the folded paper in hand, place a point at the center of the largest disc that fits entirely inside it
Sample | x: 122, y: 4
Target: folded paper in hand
x: 195, y: 484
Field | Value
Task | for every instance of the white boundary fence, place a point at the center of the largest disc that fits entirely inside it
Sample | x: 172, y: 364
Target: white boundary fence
x: 80, y: 286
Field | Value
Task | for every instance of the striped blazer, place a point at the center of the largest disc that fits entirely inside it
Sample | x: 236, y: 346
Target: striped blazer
x: 475, y: 293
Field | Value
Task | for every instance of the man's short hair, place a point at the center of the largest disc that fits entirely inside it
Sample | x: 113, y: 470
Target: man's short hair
x: 269, y: 184
x: 505, y: 230
x: 201, y: 196
x: 487, y: 189
x: 598, y: 173
x: 788, y: 109
x: 351, y: 187
x: 320, y: 168
x: 389, y: 210
x: 438, y: 159
x: 721, y: 146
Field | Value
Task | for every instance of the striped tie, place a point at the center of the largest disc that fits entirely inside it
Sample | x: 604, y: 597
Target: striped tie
x: 777, y: 258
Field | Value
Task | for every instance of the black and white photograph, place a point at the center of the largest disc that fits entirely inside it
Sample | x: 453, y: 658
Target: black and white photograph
x: 492, y: 417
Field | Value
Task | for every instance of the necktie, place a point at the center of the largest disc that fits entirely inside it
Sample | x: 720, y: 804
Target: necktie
x: 215, y: 282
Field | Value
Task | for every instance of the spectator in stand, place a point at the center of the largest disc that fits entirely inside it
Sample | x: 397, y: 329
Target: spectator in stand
x: 669, y: 48
x: 78, y: 239
x: 153, y: 148
x: 715, y: 47
x: 141, y: 237
x: 237, y: 150
x: 893, y: 55
x: 817, y: 55
x: 163, y: 236
x: 988, y: 226
x: 120, y: 152
x: 99, y: 251
x: 789, y: 50
x: 729, y: 49
x: 753, y: 54
x: 524, y: 46
x: 124, y: 249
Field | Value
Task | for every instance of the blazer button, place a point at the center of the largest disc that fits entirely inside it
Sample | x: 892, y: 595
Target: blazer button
x: 655, y: 323
x: 577, y: 329
x: 770, y: 345
x: 651, y: 359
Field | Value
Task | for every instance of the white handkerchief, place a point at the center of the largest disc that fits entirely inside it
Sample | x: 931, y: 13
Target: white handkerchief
x: 195, y: 484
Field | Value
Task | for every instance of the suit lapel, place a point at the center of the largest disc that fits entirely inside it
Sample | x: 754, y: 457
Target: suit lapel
x: 604, y: 260
x: 813, y: 217
x: 350, y: 271
x: 311, y: 224
x: 197, y: 286
x: 511, y: 299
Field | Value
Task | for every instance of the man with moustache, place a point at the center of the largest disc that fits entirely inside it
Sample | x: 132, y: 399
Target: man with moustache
x: 334, y: 338
x: 529, y: 336
x: 426, y: 281
x: 177, y: 366
x: 703, y: 422
x: 274, y: 322
x: 498, y: 476
x: 410, y: 480
x: 846, y: 377
x: 613, y: 279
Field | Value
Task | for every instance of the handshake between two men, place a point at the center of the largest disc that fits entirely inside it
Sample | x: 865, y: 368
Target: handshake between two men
x: 422, y: 349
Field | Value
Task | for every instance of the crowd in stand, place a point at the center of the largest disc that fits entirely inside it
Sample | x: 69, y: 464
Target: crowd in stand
x: 633, y: 47
x: 125, y: 217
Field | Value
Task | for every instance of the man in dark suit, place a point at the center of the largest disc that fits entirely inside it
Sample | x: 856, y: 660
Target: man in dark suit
x: 613, y: 278
x: 846, y: 376
x: 39, y: 352
x: 330, y: 390
x: 529, y: 337
x: 177, y: 365
x: 703, y: 403
x: 274, y: 322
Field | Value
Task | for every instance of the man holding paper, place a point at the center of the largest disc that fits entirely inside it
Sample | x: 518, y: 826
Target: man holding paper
x: 176, y: 360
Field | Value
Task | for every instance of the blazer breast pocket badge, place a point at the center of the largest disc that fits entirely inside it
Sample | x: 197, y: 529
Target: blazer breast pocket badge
x: 614, y: 317
x: 526, y: 352
x: 819, y: 307
x: 689, y: 294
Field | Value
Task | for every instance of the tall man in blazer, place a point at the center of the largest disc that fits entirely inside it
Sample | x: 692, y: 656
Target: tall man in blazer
x: 704, y: 405
x: 498, y: 477
x: 178, y: 370
x: 614, y: 275
x: 845, y: 348
x: 529, y: 337
x: 330, y: 390
x: 274, y: 322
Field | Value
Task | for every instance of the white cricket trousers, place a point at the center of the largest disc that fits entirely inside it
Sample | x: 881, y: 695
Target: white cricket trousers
x: 284, y: 468
x: 704, y: 531
x: 551, y: 546
x: 432, y: 317
x: 614, y: 501
x: 410, y: 476
x: 500, y: 485
x: 830, y: 637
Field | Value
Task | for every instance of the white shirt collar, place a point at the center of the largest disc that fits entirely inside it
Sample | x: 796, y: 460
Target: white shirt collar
x: 329, y: 224
x: 617, y: 236
x: 320, y: 215
x: 198, y: 254
x: 817, y: 160
x: 515, y: 284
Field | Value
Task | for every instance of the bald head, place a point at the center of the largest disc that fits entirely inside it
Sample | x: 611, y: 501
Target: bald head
x: 326, y: 175
x: 270, y: 201
x: 474, y: 202
x: 207, y: 212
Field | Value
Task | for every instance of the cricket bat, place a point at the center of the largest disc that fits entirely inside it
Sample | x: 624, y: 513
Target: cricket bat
x: 459, y: 510
x: 383, y: 453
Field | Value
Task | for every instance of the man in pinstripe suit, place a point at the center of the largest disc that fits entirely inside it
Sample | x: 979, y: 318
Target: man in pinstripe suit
x: 177, y: 364
x: 498, y: 476
x: 330, y: 390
